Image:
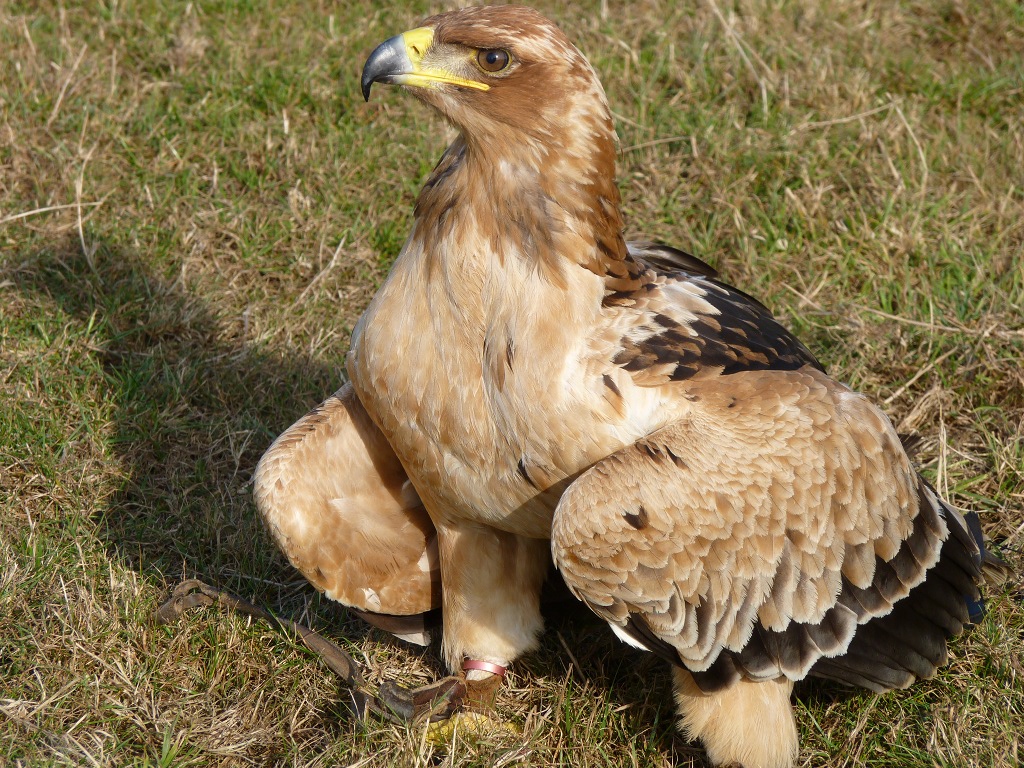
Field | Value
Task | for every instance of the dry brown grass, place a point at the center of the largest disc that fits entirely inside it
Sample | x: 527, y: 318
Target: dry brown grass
x: 195, y: 206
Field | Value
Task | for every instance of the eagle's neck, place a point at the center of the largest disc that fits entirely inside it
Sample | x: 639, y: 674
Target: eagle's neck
x: 550, y: 200
x: 512, y: 253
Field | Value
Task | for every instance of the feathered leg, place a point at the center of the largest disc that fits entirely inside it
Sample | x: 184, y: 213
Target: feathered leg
x: 749, y: 724
x: 491, y: 594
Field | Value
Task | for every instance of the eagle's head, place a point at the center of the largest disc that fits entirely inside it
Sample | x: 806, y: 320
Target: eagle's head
x: 502, y: 74
x: 534, y: 169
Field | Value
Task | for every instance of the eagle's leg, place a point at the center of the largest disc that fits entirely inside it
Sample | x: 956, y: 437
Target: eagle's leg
x: 339, y: 504
x: 491, y: 584
x: 749, y: 724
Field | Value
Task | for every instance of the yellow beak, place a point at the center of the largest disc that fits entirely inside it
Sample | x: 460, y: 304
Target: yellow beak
x: 399, y: 61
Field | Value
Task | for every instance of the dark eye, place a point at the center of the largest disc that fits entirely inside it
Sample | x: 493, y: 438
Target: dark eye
x: 493, y: 60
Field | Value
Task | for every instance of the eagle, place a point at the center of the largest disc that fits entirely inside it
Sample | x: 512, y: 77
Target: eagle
x: 527, y: 387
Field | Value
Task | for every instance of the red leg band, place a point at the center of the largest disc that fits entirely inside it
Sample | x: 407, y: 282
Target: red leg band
x: 486, y: 666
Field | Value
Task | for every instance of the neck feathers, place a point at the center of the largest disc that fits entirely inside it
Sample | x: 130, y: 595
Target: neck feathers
x: 547, y: 196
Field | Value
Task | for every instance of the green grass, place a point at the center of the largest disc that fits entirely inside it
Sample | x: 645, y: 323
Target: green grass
x: 223, y: 205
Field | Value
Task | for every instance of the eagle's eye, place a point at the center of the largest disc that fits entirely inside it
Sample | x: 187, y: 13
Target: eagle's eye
x: 493, y: 60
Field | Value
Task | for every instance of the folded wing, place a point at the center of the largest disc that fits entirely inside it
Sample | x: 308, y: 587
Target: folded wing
x: 776, y: 529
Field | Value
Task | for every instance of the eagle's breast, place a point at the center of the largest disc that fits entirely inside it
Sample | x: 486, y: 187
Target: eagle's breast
x: 497, y: 389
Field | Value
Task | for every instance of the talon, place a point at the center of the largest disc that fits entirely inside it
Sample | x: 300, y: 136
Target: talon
x: 478, y: 697
x: 439, y: 700
x: 188, y: 594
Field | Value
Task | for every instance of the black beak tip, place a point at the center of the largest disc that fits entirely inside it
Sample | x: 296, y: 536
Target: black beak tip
x: 387, y: 60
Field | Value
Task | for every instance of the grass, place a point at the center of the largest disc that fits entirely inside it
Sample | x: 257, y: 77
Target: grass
x: 195, y: 206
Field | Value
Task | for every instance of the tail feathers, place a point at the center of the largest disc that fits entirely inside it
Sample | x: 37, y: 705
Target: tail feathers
x: 417, y: 629
x: 975, y: 604
x: 995, y: 570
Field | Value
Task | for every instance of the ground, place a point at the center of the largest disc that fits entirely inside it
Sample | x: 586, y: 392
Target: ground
x: 196, y: 205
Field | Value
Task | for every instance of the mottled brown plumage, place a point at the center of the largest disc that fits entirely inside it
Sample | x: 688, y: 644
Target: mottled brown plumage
x: 527, y: 385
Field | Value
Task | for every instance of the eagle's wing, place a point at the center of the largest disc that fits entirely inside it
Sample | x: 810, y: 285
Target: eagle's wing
x: 339, y: 504
x: 768, y: 528
x: 669, y: 258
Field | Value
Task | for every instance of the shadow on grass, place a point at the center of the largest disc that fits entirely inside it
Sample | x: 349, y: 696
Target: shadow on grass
x: 193, y: 415
x: 192, y: 412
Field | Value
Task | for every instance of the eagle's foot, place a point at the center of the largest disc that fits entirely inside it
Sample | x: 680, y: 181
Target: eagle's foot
x: 477, y: 718
x: 441, y: 700
x: 438, y: 700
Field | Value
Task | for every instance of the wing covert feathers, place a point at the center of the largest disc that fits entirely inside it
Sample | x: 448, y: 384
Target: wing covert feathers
x: 670, y: 259
x: 338, y: 502
x: 692, y: 326
x: 776, y: 530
